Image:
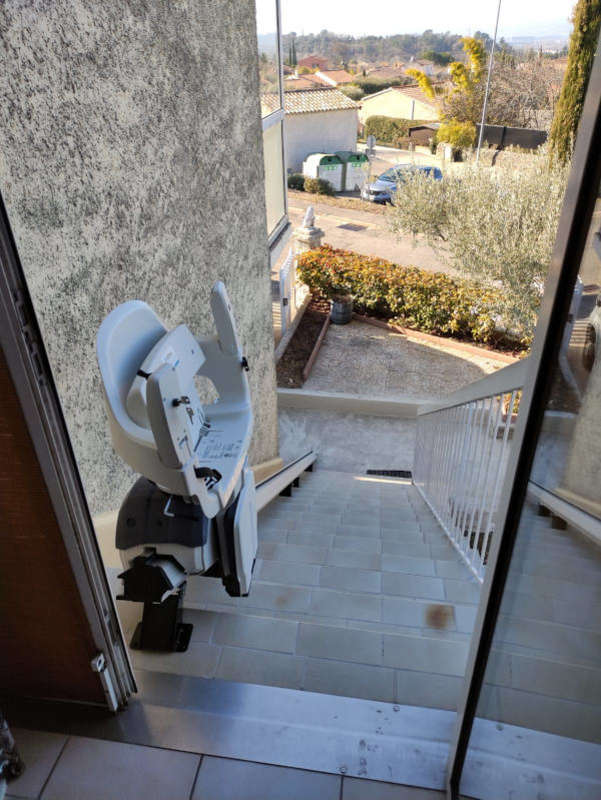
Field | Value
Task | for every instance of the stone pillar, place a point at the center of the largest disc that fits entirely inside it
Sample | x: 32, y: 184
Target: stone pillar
x: 308, y: 236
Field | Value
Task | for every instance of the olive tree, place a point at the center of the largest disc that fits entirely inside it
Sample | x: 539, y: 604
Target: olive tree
x: 497, y: 225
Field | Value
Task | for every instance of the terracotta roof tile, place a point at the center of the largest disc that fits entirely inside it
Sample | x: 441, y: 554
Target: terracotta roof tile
x: 307, y: 101
x: 338, y: 75
x: 303, y: 82
x: 416, y: 93
x: 410, y: 91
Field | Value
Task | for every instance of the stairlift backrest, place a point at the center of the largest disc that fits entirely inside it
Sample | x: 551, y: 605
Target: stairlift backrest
x: 166, y: 441
x: 125, y: 338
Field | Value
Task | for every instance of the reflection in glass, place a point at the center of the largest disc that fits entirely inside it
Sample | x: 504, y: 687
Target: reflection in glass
x: 537, y: 732
x: 269, y: 65
x: 274, y: 176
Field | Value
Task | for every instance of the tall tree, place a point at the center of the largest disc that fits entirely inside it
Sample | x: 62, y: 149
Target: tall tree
x: 583, y: 43
x: 465, y: 77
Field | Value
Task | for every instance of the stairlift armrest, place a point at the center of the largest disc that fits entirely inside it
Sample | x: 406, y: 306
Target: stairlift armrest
x: 165, y: 418
x: 225, y: 324
x: 227, y: 373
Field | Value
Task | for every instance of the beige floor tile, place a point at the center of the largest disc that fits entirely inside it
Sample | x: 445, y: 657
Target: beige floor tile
x: 40, y: 751
x: 227, y: 779
x: 98, y: 770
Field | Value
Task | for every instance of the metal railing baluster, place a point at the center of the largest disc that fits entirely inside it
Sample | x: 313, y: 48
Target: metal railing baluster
x: 460, y: 461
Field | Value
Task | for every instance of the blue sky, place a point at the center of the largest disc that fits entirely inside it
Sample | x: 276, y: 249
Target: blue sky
x: 356, y: 17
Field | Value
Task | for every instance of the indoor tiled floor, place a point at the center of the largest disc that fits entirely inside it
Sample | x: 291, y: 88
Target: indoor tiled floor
x: 78, y: 768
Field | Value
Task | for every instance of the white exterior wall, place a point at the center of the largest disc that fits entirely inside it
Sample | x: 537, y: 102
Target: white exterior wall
x: 392, y: 103
x: 319, y: 132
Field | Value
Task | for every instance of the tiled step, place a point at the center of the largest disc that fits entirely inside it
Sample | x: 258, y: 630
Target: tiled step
x: 402, y: 606
x: 316, y: 657
x: 349, y: 597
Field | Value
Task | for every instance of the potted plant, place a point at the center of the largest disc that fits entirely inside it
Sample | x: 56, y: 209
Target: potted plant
x: 341, y: 300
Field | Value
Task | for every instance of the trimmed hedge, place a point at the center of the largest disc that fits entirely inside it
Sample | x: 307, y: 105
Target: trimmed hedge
x: 389, y: 130
x: 296, y: 181
x: 426, y: 301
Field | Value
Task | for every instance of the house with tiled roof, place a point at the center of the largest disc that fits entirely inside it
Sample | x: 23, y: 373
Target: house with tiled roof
x: 309, y: 81
x: 334, y: 77
x: 423, y: 64
x: 387, y: 72
x: 317, y: 121
x: 313, y: 61
x: 401, y: 102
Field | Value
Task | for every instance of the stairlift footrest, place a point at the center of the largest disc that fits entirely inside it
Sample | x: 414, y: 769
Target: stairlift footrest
x: 159, y: 582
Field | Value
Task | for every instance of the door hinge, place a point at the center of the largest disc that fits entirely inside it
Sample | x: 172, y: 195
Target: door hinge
x: 99, y: 665
x: 27, y: 332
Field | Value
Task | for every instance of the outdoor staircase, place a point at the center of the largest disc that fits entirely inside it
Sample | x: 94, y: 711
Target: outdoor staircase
x: 357, y: 592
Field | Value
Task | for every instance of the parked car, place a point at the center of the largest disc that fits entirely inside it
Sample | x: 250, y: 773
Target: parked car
x: 383, y: 188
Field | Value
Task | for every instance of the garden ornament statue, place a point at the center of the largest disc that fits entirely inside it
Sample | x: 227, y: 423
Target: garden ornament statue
x: 193, y: 509
x: 309, y: 219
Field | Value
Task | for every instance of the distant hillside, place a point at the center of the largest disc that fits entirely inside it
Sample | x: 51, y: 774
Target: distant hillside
x: 547, y: 43
x: 267, y: 43
x: 399, y: 47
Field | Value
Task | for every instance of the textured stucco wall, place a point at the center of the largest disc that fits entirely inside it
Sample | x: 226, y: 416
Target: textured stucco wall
x: 320, y: 132
x: 131, y: 167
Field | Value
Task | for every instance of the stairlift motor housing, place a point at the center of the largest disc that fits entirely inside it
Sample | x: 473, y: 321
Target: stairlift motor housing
x: 195, y: 501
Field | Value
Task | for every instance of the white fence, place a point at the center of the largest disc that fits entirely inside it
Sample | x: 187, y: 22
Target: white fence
x: 287, y: 292
x: 462, y: 449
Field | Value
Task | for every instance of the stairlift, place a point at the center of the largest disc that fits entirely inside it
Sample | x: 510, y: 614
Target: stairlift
x: 193, y: 511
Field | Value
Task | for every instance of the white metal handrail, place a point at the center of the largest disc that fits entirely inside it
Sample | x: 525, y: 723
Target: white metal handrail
x: 462, y: 448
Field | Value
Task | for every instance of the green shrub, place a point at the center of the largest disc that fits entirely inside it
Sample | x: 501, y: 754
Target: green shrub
x: 352, y: 91
x: 426, y: 301
x: 373, y: 85
x: 389, y: 130
x: 296, y: 181
x: 318, y: 186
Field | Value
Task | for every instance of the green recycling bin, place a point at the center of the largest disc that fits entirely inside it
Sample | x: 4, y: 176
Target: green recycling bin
x: 356, y: 170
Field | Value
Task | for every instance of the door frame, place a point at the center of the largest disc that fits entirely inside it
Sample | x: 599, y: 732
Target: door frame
x: 29, y: 367
x: 578, y: 206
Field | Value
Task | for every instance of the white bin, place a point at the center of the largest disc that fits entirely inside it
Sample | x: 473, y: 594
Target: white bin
x: 356, y: 170
x: 326, y: 166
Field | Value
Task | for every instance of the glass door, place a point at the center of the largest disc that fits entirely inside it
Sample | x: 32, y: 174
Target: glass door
x: 61, y: 630
x: 530, y: 722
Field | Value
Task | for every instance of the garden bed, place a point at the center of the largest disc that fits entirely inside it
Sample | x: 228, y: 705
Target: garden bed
x: 290, y: 367
x: 408, y: 297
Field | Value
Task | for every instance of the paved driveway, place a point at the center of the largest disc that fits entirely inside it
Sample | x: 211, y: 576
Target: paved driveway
x: 365, y: 232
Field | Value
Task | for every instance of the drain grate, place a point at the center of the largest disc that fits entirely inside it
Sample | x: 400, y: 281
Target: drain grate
x: 350, y: 226
x: 391, y: 473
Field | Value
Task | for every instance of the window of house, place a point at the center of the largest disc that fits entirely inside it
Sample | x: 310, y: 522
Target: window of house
x: 272, y: 115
